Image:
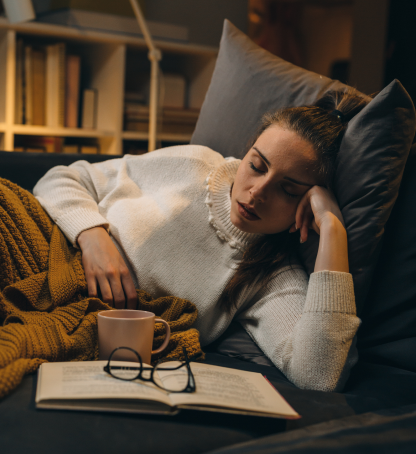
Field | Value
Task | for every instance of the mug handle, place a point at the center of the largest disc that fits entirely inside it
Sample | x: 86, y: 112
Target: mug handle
x: 167, y: 338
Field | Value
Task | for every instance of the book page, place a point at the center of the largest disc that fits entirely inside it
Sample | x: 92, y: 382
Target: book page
x: 230, y: 388
x: 88, y: 380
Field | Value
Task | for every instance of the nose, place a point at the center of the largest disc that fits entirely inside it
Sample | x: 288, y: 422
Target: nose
x: 259, y: 192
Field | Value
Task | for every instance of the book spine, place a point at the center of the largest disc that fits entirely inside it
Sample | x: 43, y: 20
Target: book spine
x: 28, y: 85
x: 51, y: 87
x: 19, y: 111
x: 73, y: 72
x: 89, y: 107
x: 61, y: 67
x: 55, y: 85
x: 38, y: 87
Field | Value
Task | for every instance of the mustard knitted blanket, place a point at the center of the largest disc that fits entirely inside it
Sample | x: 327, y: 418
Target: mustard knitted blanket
x: 45, y: 312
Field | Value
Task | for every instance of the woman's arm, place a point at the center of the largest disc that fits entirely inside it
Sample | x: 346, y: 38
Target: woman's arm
x: 333, y: 247
x: 306, y: 328
x: 71, y: 196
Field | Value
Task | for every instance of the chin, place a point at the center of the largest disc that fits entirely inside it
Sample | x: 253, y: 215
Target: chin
x: 243, y: 226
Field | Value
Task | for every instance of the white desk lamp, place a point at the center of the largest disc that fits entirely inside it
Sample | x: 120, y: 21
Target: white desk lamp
x: 154, y: 55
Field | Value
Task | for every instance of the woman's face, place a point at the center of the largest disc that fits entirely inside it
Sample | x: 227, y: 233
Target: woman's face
x: 270, y: 181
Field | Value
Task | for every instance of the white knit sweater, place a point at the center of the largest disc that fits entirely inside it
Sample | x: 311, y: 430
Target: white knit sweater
x: 168, y: 213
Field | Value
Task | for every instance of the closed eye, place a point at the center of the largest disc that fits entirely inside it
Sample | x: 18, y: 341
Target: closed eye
x: 255, y: 168
x: 284, y: 190
x: 289, y: 194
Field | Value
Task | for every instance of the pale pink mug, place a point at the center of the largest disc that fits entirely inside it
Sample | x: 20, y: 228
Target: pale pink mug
x: 128, y: 328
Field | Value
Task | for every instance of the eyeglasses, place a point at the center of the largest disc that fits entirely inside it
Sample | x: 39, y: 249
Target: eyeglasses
x: 173, y: 376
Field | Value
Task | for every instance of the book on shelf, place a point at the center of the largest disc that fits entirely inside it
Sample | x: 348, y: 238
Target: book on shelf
x: 89, y: 149
x: 38, y: 86
x: 81, y: 145
x: 172, y: 120
x: 72, y: 79
x: 89, y: 109
x: 28, y: 86
x: 85, y: 386
x: 70, y: 149
x: 55, y: 85
x: 39, y: 144
x: 47, y: 85
x: 19, y: 93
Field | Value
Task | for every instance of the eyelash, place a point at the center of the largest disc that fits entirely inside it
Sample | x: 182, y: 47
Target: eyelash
x: 259, y: 171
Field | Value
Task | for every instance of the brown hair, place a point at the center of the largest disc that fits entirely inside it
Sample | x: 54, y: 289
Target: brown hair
x: 324, y: 129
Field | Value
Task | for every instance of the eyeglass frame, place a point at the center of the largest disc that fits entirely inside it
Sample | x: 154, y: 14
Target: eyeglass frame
x: 190, y: 387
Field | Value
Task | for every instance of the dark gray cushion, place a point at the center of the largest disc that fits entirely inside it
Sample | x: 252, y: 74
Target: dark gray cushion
x: 371, y: 161
x: 249, y: 81
x: 388, y: 333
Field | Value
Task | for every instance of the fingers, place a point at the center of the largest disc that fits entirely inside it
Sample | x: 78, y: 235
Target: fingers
x: 107, y: 275
x: 306, y: 224
x: 129, y: 289
x: 118, y: 293
x: 303, y: 217
x: 92, y: 286
x: 105, y: 289
x: 117, y: 290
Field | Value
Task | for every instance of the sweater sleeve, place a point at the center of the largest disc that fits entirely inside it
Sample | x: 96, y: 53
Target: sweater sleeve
x: 71, y: 195
x: 307, y: 329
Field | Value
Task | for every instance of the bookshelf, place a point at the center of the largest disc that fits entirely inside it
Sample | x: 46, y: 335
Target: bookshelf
x: 108, y: 62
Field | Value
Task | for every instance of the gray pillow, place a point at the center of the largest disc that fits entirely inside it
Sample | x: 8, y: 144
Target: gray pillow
x: 249, y: 81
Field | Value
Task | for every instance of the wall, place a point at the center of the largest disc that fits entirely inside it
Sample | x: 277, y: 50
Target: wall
x: 204, y: 18
x: 327, y: 35
x: 369, y: 44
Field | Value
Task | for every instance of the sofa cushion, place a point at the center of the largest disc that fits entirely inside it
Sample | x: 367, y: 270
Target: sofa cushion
x: 25, y: 169
x: 388, y: 333
x: 249, y: 81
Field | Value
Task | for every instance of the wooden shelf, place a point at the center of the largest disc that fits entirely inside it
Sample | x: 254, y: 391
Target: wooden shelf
x: 108, y: 58
x: 61, y: 132
x: 63, y: 32
x: 136, y: 135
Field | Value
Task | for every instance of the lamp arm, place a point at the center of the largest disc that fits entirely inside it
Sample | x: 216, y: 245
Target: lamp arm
x: 154, y: 55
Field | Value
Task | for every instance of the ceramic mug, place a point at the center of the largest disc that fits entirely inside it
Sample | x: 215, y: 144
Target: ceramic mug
x: 128, y: 328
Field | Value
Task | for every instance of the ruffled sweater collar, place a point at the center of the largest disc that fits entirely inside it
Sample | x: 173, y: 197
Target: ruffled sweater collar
x: 218, y: 200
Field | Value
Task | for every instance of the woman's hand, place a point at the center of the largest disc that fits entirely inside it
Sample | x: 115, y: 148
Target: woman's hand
x: 104, y: 265
x: 317, y: 206
x: 318, y: 209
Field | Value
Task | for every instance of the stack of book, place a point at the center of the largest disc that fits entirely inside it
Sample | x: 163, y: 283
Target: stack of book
x: 48, y: 88
x: 173, y: 121
x: 39, y: 144
x: 48, y: 144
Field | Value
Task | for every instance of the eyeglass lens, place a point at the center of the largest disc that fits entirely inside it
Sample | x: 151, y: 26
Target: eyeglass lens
x: 172, y: 376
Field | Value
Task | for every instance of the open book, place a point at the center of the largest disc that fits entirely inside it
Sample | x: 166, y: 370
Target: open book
x: 85, y: 386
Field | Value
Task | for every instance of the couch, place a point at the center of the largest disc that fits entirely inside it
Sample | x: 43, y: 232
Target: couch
x: 376, y: 408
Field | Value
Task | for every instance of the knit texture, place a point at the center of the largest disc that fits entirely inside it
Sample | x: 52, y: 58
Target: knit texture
x: 168, y: 213
x: 45, y: 312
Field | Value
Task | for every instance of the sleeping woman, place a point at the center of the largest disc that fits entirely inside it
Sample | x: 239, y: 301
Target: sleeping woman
x: 222, y: 233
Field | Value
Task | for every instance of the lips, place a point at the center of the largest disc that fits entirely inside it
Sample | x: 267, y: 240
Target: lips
x: 247, y: 212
